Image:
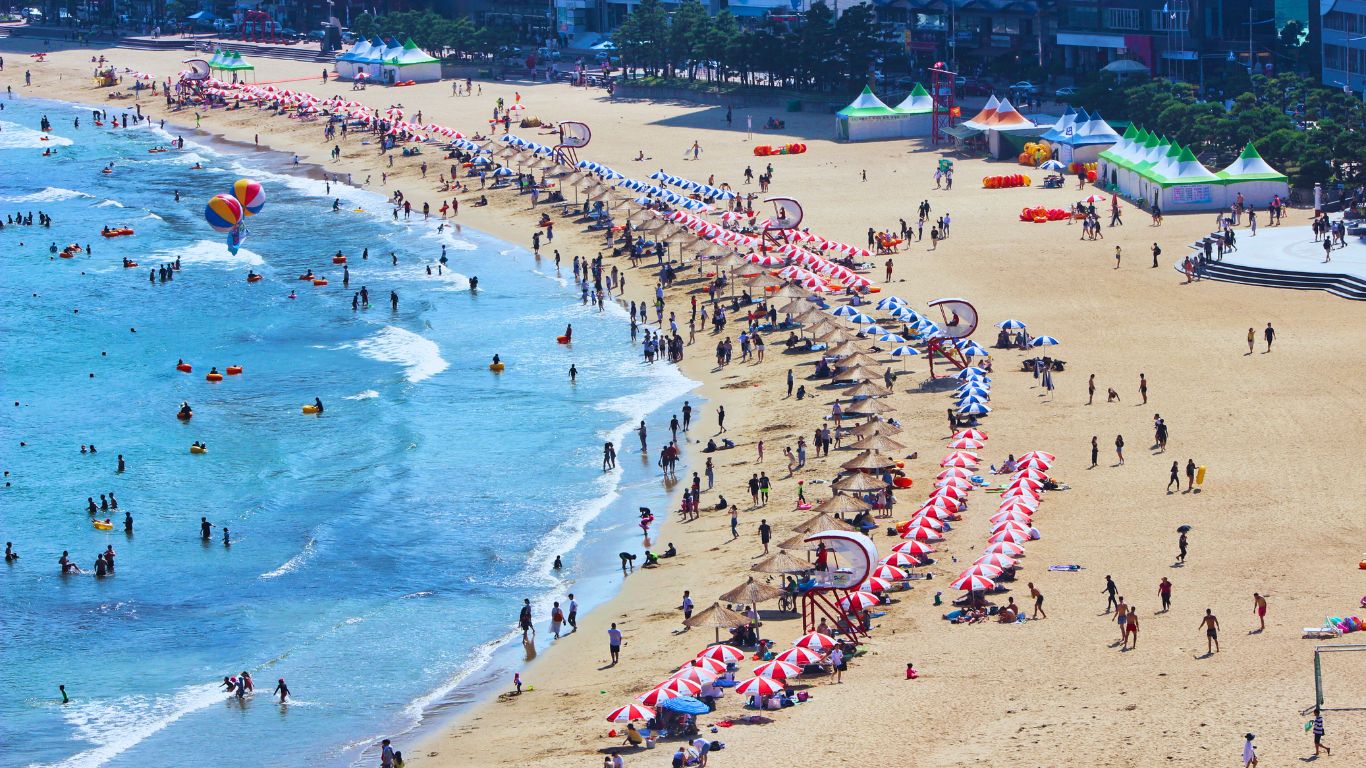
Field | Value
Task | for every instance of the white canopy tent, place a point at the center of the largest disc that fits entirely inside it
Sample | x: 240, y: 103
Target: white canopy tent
x: 1143, y: 167
x: 868, y: 119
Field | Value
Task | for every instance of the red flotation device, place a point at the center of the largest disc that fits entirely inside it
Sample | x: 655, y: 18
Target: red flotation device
x: 234, y: 370
x: 213, y: 377
x: 183, y: 415
x: 184, y: 368
x: 253, y: 278
x: 562, y: 339
x: 129, y: 264
x: 902, y: 482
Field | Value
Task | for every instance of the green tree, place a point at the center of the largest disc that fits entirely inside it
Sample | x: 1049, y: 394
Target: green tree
x: 687, y: 36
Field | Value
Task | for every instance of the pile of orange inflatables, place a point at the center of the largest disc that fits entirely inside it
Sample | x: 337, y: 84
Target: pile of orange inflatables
x: 1041, y: 214
x: 1090, y: 169
x: 1005, y: 182
x: 764, y: 150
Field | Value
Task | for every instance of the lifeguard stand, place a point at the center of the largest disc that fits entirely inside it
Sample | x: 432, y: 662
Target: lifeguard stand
x: 946, y: 110
x: 573, y: 137
x: 852, y: 558
x: 787, y: 217
x: 959, y: 322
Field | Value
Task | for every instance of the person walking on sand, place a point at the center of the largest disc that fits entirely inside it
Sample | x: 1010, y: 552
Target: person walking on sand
x: 1164, y: 592
x: 524, y: 619
x: 556, y: 620
x: 1038, y: 601
x: 1175, y: 478
x: 1317, y: 728
x: 1259, y: 608
x: 1095, y: 450
x: 765, y: 534
x: 1131, y: 629
x: 1091, y: 389
x: 686, y: 607
x: 1249, y: 751
x: 1181, y: 544
x: 1110, y: 591
x: 720, y: 419
x: 1156, y: 252
x: 1190, y: 475
x: 1118, y: 256
x: 1119, y: 449
x: 1211, y: 624
x: 1251, y: 339
x: 573, y: 617
x: 1270, y: 335
x: 614, y: 643
x: 1143, y: 387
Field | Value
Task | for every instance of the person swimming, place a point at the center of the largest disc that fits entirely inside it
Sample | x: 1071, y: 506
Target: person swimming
x: 318, y: 403
x: 90, y: 505
x: 497, y: 360
x: 185, y: 408
x: 213, y: 370
x: 292, y: 295
x: 474, y: 283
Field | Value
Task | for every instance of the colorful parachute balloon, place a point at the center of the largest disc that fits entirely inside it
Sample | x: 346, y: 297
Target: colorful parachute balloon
x: 223, y: 212
x: 250, y: 195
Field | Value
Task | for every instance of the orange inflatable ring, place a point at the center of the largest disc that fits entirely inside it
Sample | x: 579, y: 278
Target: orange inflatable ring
x: 874, y: 289
x: 67, y: 255
x: 183, y: 416
x: 130, y: 265
x: 562, y: 339
x: 213, y: 376
x: 253, y: 278
x: 306, y: 277
x: 184, y: 368
x: 338, y: 259
x: 234, y: 370
x: 320, y: 282
x: 902, y: 482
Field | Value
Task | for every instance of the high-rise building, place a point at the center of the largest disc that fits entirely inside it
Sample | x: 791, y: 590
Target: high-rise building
x: 1342, y: 41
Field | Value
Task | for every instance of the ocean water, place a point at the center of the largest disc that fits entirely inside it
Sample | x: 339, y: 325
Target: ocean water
x: 379, y: 552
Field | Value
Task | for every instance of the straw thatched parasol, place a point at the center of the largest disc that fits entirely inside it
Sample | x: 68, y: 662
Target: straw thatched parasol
x: 753, y: 593
x: 869, y: 460
x: 843, y: 349
x: 826, y: 521
x: 836, y: 336
x: 858, y: 358
x: 857, y: 482
x: 873, y: 427
x: 718, y: 617
x: 781, y: 562
x: 866, y: 389
x: 732, y: 262
x: 799, y: 542
x: 791, y: 291
x: 842, y: 504
x: 858, y: 372
x: 871, y: 406
x: 797, y: 307
x: 764, y: 280
x: 878, y: 442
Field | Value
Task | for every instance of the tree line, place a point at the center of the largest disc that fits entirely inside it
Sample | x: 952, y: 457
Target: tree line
x: 438, y: 35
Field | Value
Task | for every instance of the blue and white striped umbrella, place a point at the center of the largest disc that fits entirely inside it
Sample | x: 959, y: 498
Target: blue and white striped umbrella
x: 862, y: 319
x: 973, y: 349
x: 907, y: 315
x: 892, y: 337
x: 973, y: 388
x: 1044, y: 341
x: 962, y: 400
x: 1011, y: 325
x: 974, y: 409
x: 872, y: 330
x: 503, y: 172
x: 481, y: 160
x: 890, y: 301
x: 608, y: 173
x: 905, y: 352
x: 971, y: 372
x: 845, y: 311
x: 659, y: 174
x: 928, y: 328
x: 724, y: 194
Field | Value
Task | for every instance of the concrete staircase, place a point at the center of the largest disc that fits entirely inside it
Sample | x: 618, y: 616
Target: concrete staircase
x: 1345, y: 286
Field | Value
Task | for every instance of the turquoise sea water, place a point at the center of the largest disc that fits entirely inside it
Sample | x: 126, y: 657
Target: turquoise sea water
x: 379, y: 552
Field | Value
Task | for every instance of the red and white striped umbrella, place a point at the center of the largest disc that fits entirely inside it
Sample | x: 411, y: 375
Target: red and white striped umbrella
x: 922, y: 534
x: 679, y: 685
x: 925, y: 521
x: 709, y: 665
x: 1020, y: 492
x: 759, y: 686
x: 890, y: 573
x: 816, y: 641
x: 1005, y: 548
x: 956, y: 460
x: 697, y: 675
x: 1011, y: 535
x: 722, y: 653
x: 656, y: 696
x: 966, y: 444
x: 778, y: 670
x: 1046, y: 456
x: 630, y: 712
x: 1010, y: 525
x: 1036, y: 462
x: 942, y: 501
x: 1019, y: 504
x: 859, y: 601
x: 902, y: 559
x: 875, y: 584
x: 950, y: 491
x: 954, y: 482
x: 957, y: 472
x: 999, y: 561
x: 970, y: 434
x: 973, y: 583
x: 799, y: 656
x: 913, y: 548
x: 937, y: 513
x: 985, y: 570
x: 1019, y: 517
x: 1025, y: 482
x: 1032, y: 474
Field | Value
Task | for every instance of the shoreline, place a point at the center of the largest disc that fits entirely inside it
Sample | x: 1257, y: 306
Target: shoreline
x: 1069, y: 686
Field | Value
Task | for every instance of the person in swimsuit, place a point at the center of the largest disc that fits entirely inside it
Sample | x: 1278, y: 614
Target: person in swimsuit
x: 1259, y: 608
x: 1211, y: 624
x: 1122, y: 618
x: 1132, y: 628
x: 1164, y: 591
x: 1038, y: 601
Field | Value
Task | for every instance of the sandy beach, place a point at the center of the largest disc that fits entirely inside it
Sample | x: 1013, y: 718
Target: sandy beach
x: 1276, y: 430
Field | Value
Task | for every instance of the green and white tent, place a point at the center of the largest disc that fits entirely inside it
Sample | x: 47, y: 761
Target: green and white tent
x: 229, y: 61
x: 868, y: 119
x: 410, y: 63
x: 1144, y: 167
x: 918, y: 108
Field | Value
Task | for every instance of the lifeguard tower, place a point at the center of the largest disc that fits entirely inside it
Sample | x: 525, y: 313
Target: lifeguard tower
x: 851, y: 558
x: 787, y: 217
x: 959, y: 320
x: 573, y: 137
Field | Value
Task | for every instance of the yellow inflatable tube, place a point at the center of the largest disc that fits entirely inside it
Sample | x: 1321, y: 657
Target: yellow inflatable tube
x: 102, y: 525
x: 496, y: 367
x: 198, y: 449
x: 310, y: 409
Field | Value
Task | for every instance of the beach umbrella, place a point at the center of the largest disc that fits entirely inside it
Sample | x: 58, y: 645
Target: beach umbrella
x: 954, y: 472
x: 857, y: 373
x: 1025, y: 482
x: 656, y: 696
x: 778, y: 670
x: 926, y: 521
x: 845, y: 311
x: 998, y: 560
x: 878, y: 442
x: 1025, y: 505
x: 859, y: 318
x: 902, y: 559
x: 799, y: 655
x: 954, y: 482
x: 1020, y: 517
x: 872, y: 330
x: 681, y: 686
x: 710, y: 665
x: 1037, y: 463
x: 905, y: 351
x: 759, y: 686
x: 699, y: 675
x: 1021, y: 492
x: 1038, y: 455
x: 815, y: 641
x: 687, y: 705
x: 913, y: 548
x: 890, y: 572
x: 717, y: 617
x: 1094, y: 199
x: 948, y: 491
x: 839, y: 504
x: 865, y: 389
x: 965, y: 444
x: 972, y: 583
x: 781, y: 562
x: 857, y: 357
x: 873, y: 427
x: 871, y: 406
x: 985, y: 570
x: 1005, y: 548
x: 799, y: 543
x: 859, y: 601
x: 1008, y: 535
x: 724, y: 653
x: 858, y: 481
x: 890, y: 301
x: 974, y: 409
x: 826, y: 520
x: 1052, y: 165
x: 752, y: 593
x: 970, y: 372
x: 923, y: 533
x: 1031, y: 473
x: 875, y: 584
x: 970, y: 434
x: 869, y: 460
x: 1044, y: 341
x: 1012, y: 325
x: 1010, y: 525
x: 630, y: 712
x: 892, y: 338
x: 959, y: 459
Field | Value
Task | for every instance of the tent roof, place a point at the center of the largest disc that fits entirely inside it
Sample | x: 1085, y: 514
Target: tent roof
x: 866, y: 105
x: 981, y: 119
x: 413, y: 55
x: 1007, y: 117
x: 919, y: 101
x: 359, y: 52
x: 1096, y: 131
x: 1251, y: 167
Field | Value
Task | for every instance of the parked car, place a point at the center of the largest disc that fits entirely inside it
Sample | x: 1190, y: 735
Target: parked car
x: 1066, y: 91
x: 1024, y: 86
